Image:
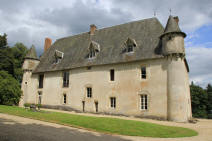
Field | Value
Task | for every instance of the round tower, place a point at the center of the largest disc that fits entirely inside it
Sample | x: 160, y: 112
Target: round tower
x: 30, y: 63
x: 178, y: 91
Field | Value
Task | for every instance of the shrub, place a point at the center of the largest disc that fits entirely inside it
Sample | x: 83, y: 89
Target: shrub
x: 26, y: 105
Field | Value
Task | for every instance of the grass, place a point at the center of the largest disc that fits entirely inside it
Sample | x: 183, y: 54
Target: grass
x: 103, y: 124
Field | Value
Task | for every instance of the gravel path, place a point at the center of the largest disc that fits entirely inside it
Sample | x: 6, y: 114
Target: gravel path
x: 49, y: 131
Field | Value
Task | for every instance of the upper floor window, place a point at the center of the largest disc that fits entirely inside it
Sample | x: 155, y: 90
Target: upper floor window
x: 112, y: 75
x: 89, y: 92
x: 130, y: 44
x: 65, y: 79
x: 113, y: 102
x: 41, y: 77
x: 58, y: 56
x: 94, y: 49
x: 143, y: 72
x: 144, y: 102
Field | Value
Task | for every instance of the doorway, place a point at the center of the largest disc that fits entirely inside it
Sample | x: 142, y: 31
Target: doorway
x: 96, y: 106
x: 39, y: 97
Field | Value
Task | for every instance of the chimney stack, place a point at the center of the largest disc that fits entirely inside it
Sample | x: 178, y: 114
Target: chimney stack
x: 48, y: 43
x: 92, y: 29
x: 176, y: 19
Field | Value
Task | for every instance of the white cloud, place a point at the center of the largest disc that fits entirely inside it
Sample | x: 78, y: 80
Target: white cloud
x: 30, y: 21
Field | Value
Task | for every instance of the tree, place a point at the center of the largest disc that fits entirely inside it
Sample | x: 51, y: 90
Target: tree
x: 3, y: 41
x: 209, y: 92
x: 10, y: 91
x: 199, y: 101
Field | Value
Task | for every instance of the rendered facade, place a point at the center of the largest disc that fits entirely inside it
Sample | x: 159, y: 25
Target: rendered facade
x: 134, y: 69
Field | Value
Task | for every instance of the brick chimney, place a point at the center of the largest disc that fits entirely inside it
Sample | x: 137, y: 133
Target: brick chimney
x: 176, y: 19
x: 92, y: 29
x: 48, y: 43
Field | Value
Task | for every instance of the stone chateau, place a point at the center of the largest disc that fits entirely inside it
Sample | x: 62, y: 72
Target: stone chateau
x: 134, y: 69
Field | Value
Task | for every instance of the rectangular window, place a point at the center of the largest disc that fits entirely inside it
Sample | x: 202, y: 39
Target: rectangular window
x: 64, y: 98
x: 144, y: 103
x: 65, y: 79
x: 89, y: 92
x: 112, y: 75
x: 113, y: 102
x: 41, y: 80
x: 143, y: 72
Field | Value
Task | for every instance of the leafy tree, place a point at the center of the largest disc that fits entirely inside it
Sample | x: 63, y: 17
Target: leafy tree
x: 3, y: 41
x: 209, y: 92
x: 199, y: 101
x: 10, y: 91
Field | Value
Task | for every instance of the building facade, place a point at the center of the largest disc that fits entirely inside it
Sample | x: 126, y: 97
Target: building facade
x: 134, y: 69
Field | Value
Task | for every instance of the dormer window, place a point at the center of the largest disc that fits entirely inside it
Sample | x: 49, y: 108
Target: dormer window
x: 94, y: 49
x: 58, y: 56
x: 129, y: 45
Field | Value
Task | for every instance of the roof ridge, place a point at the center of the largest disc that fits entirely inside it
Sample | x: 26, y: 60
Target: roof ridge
x: 110, y: 27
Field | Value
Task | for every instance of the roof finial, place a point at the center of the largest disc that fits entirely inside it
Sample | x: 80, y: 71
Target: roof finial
x: 170, y: 10
x: 154, y: 13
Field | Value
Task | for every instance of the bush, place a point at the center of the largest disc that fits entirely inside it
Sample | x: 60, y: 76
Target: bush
x: 10, y: 90
x: 38, y: 106
x: 26, y: 105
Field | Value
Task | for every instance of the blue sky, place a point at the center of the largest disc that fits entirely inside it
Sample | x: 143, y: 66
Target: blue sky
x: 30, y: 22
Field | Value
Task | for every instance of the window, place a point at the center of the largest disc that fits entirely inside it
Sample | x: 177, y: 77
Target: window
x: 94, y: 49
x: 130, y: 44
x: 130, y: 48
x: 65, y: 79
x: 143, y: 72
x: 64, y: 98
x: 89, y: 92
x: 113, y: 102
x: 112, y: 75
x: 58, y: 56
x: 144, y: 102
x: 41, y: 80
x: 92, y: 53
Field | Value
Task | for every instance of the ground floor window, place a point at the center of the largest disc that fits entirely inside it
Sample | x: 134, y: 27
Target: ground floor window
x: 144, y: 102
x: 64, y: 98
x: 113, y: 102
x: 89, y: 92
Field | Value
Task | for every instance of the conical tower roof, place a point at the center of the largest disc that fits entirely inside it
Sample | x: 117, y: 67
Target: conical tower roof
x: 172, y: 26
x: 32, y: 53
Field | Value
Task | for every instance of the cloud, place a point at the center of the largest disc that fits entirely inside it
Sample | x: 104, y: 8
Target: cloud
x: 199, y: 59
x: 30, y: 21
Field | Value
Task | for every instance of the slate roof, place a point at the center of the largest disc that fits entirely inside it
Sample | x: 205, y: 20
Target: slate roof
x: 111, y: 41
x: 31, y: 54
x: 172, y: 26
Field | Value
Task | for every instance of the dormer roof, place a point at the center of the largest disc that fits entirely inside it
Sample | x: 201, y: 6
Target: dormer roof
x: 31, y: 54
x: 172, y: 26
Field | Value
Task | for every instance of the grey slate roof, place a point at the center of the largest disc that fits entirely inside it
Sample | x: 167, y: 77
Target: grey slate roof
x: 172, y: 27
x: 111, y: 40
x: 31, y: 54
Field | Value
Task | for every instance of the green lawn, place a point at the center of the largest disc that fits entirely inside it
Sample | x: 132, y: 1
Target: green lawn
x: 103, y: 124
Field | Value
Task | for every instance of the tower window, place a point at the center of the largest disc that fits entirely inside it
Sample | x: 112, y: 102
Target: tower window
x: 113, y: 102
x: 64, y: 98
x: 65, y: 79
x: 143, y: 72
x: 144, y: 103
x: 89, y: 92
x: 41, y: 80
x: 112, y: 75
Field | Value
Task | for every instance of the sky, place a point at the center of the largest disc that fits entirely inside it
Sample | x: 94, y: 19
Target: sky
x: 31, y: 21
